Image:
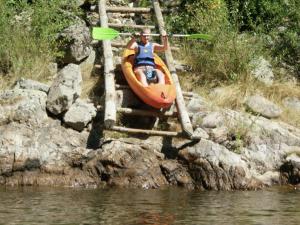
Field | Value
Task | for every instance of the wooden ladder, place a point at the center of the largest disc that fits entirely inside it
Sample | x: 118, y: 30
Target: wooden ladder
x: 110, y: 109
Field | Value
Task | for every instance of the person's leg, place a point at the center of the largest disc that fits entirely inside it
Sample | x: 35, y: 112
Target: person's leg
x: 142, y: 77
x: 160, y: 76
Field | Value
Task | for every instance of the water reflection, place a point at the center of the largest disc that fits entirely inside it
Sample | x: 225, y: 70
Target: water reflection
x: 160, y: 207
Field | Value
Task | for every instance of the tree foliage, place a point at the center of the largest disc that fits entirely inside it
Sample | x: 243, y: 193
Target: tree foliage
x: 277, y: 22
x: 29, y: 31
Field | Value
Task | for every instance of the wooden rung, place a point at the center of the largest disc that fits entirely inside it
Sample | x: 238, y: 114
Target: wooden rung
x: 129, y: 9
x: 148, y: 132
x: 132, y: 10
x: 123, y: 45
x: 116, y: 25
x: 118, y: 45
x: 140, y: 112
x: 152, y: 113
x: 185, y: 93
x: 97, y: 66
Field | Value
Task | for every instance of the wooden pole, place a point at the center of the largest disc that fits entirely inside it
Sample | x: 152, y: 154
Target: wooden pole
x: 109, y: 76
x: 148, y: 132
x: 183, y: 115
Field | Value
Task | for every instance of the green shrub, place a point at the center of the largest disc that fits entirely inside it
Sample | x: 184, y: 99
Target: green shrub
x: 279, y: 19
x: 28, y: 35
x: 225, y: 60
x: 242, y: 30
x: 226, y: 57
x: 206, y: 16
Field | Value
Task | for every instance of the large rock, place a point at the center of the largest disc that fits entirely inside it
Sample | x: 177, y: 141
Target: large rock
x: 213, y: 120
x: 65, y: 89
x: 197, y: 104
x: 214, y: 167
x: 46, y: 145
x: 122, y: 163
x: 262, y: 70
x: 78, y: 41
x: 80, y: 114
x: 290, y: 170
x: 262, y: 106
x: 48, y: 155
x: 31, y: 84
x: 22, y: 105
x: 176, y: 173
x: 265, y: 142
x: 292, y: 102
x: 200, y: 133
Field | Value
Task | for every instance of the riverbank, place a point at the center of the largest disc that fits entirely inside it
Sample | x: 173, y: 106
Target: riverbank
x: 55, y: 139
x: 51, y: 132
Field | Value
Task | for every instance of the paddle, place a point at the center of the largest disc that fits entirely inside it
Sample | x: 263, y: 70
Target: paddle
x: 101, y: 33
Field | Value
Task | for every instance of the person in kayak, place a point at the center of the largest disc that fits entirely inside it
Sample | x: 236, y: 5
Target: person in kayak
x: 144, y: 66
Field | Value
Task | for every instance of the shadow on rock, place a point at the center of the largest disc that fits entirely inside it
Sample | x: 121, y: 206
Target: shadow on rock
x: 171, y: 151
x: 96, y: 133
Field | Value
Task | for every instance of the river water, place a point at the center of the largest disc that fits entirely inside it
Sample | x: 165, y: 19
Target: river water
x: 159, y: 207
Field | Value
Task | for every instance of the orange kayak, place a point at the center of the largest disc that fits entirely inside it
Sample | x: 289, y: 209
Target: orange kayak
x: 155, y: 95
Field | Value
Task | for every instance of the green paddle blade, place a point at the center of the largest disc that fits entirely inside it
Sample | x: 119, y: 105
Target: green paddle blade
x: 200, y: 36
x: 101, y: 33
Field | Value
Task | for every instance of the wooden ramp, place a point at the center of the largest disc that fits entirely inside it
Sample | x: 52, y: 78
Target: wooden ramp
x: 110, y: 109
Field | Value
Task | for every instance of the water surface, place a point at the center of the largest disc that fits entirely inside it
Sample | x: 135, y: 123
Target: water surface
x: 169, y: 206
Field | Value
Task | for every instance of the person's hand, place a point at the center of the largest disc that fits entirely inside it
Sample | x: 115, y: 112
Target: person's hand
x: 164, y: 34
x: 135, y: 35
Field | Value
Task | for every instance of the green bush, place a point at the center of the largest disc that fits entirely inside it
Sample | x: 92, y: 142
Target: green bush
x: 227, y: 56
x: 225, y: 60
x: 28, y: 34
x: 278, y: 19
x: 242, y: 30
x: 207, y: 16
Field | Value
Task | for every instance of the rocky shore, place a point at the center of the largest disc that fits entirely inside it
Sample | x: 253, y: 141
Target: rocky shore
x: 49, y: 136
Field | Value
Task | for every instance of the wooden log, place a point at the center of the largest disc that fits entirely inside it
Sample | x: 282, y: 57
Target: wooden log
x: 122, y: 9
x: 147, y: 132
x: 98, y: 66
x: 133, y: 26
x: 123, y: 45
x: 140, y: 112
x: 109, y: 76
x: 183, y: 115
x: 184, y: 93
x: 129, y: 9
x: 150, y: 113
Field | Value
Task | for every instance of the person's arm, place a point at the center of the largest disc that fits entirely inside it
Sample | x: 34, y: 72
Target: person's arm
x: 132, y: 43
x: 164, y: 46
